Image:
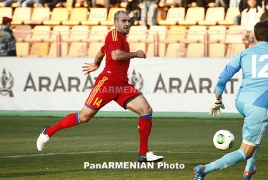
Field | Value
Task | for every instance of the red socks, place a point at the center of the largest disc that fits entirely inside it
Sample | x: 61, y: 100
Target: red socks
x: 66, y: 122
x: 144, y: 127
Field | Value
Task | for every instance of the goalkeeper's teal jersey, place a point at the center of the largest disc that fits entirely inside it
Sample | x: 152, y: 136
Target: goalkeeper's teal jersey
x: 254, y: 65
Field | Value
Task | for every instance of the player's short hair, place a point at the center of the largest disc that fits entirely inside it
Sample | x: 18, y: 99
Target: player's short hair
x: 261, y: 31
x: 118, y: 14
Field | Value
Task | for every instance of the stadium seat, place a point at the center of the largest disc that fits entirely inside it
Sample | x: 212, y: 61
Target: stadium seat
x: 175, y: 34
x: 137, y: 34
x: 151, y: 48
x: 135, y: 46
x: 77, y: 16
x: 21, y: 32
x: 57, y: 17
x: 39, y: 49
x: 195, y: 50
x: 174, y: 15
x: 193, y: 15
x: 38, y: 16
x: 22, y: 49
x: 78, y: 49
x: 230, y: 15
x: 78, y: 33
x: 20, y: 15
x: 53, y: 50
x: 176, y: 50
x: 96, y: 15
x: 110, y: 19
x: 59, y: 30
x: 159, y: 32
x: 5, y: 11
x: 195, y: 34
x: 97, y: 34
x: 170, y: 3
x: 156, y: 46
x: 94, y: 47
x: 234, y: 48
x: 234, y: 34
x: 216, y: 33
x: 39, y: 33
x: 213, y: 16
x: 216, y: 50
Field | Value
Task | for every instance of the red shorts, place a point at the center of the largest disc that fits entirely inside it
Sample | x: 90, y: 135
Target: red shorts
x: 106, y: 90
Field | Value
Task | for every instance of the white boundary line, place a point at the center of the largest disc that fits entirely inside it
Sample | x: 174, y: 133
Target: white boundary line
x: 92, y: 152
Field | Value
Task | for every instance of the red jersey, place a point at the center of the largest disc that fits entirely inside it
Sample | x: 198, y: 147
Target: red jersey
x: 115, y: 40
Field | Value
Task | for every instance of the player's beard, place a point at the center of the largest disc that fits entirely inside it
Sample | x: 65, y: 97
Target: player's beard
x: 125, y: 30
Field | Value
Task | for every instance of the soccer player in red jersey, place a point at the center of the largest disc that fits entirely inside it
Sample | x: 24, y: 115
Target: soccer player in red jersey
x: 112, y: 84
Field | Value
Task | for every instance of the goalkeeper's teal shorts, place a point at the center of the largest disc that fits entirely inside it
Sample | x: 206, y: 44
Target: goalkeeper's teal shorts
x: 255, y: 121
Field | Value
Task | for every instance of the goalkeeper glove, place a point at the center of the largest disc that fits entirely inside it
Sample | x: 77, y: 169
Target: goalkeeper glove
x: 215, y: 107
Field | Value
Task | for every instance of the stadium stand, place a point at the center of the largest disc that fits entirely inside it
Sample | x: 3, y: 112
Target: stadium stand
x: 20, y: 15
x: 195, y: 50
x: 195, y: 34
x: 5, y: 11
x: 22, y: 49
x: 21, y: 32
x: 174, y: 16
x: 155, y: 38
x: 39, y: 33
x: 39, y: 49
x: 76, y: 17
x: 213, y: 16
x: 137, y: 34
x: 234, y: 48
x: 96, y: 16
x: 78, y: 34
x: 78, y: 49
x: 216, y: 50
x: 38, y: 16
x: 175, y: 34
x: 54, y: 49
x: 82, y: 31
x: 93, y: 48
x: 193, y: 15
x: 59, y: 30
x: 110, y: 18
x: 58, y: 15
x: 216, y: 33
x: 230, y: 15
x: 97, y: 34
x: 175, y: 50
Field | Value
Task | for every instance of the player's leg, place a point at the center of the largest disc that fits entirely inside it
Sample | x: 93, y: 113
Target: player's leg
x: 226, y: 161
x: 253, y: 131
x: 68, y: 121
x: 250, y: 169
x: 139, y: 105
x: 97, y: 98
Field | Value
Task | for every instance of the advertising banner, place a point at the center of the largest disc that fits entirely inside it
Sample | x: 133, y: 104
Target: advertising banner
x: 58, y: 84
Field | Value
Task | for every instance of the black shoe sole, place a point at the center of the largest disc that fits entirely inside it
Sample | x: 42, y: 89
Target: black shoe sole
x: 158, y: 160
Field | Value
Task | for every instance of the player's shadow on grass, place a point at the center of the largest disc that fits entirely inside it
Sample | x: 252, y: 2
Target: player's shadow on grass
x: 33, y: 174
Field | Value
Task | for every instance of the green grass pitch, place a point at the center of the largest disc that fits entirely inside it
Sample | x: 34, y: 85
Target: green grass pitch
x: 185, y: 141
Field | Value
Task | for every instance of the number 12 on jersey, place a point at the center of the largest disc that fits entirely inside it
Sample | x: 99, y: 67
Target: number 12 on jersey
x: 263, y: 73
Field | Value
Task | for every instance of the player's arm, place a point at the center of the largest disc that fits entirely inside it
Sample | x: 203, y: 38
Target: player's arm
x: 98, y: 58
x: 90, y: 67
x: 119, y: 55
x: 228, y: 72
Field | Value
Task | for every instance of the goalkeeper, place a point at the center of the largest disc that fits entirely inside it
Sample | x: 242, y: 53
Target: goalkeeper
x: 251, y: 102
